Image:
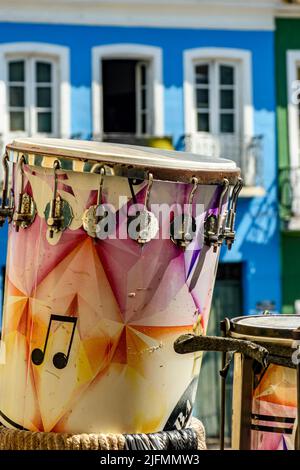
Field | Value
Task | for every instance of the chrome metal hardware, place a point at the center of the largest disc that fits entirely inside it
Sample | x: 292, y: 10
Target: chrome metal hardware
x: 26, y: 211
x: 229, y: 229
x: 95, y: 213
x: 7, y: 203
x: 183, y: 227
x: 143, y: 227
x: 214, y: 225
x: 58, y: 212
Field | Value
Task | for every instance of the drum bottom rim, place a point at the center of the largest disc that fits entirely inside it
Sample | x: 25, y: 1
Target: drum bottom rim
x: 238, y: 326
x: 263, y: 339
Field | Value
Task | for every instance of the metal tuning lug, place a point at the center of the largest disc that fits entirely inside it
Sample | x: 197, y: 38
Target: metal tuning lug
x: 7, y: 204
x: 95, y: 213
x: 58, y: 212
x: 183, y: 227
x: 26, y: 210
x: 229, y: 229
x: 143, y: 227
x: 214, y: 225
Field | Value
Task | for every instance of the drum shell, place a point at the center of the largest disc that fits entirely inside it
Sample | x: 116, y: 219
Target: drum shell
x: 264, y: 400
x: 128, y: 304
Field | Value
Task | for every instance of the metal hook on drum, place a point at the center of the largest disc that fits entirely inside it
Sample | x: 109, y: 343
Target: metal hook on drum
x: 229, y: 229
x: 148, y: 190
x: 99, y: 196
x: 214, y: 226
x: 58, y: 212
x: 26, y: 211
x: 143, y: 226
x: 184, y: 226
x: 7, y: 206
x: 95, y: 213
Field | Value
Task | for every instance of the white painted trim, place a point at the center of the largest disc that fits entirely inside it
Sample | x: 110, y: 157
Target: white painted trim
x: 128, y: 51
x: 191, y: 56
x: 52, y: 51
x: 213, y: 14
x: 293, y: 61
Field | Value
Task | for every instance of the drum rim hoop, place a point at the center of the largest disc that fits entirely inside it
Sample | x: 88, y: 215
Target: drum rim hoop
x: 267, y: 332
x: 84, y: 164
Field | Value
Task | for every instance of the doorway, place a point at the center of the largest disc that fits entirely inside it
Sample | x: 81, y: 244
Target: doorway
x: 125, y: 97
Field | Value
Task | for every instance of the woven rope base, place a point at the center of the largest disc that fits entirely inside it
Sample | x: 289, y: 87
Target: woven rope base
x: 13, y: 439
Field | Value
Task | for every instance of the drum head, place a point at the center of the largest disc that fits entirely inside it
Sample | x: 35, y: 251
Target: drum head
x: 269, y: 326
x: 81, y: 156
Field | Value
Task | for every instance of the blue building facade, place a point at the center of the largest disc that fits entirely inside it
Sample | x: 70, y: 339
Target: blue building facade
x: 217, y: 53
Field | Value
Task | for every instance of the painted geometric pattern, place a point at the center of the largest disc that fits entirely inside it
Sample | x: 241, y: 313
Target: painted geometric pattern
x: 118, y: 308
x: 275, y: 403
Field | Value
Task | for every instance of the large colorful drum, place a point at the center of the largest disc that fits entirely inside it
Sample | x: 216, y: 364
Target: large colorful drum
x: 265, y: 399
x: 94, y: 297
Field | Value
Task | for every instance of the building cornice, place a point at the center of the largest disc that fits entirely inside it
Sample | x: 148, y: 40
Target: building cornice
x: 213, y: 14
x: 218, y: 14
x: 288, y: 10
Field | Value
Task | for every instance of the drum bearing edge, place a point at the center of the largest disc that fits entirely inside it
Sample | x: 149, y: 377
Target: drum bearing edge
x: 136, y: 171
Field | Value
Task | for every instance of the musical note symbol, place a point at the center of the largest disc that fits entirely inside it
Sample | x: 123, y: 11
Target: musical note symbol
x: 60, y: 359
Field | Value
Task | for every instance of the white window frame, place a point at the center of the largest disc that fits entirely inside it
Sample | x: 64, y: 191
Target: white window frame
x: 151, y: 54
x: 239, y: 56
x: 139, y: 88
x: 214, y: 108
x: 293, y: 63
x: 62, y: 97
x: 30, y: 85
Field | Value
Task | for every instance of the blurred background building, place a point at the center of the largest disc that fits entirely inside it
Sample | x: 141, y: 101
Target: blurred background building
x: 194, y: 75
x: 287, y: 53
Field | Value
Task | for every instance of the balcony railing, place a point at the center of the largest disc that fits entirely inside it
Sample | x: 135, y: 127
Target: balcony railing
x: 245, y: 151
x: 289, y: 186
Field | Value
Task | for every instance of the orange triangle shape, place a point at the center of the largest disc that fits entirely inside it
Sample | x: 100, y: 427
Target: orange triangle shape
x: 24, y: 326
x: 12, y: 290
x: 72, y: 310
x: 120, y: 355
